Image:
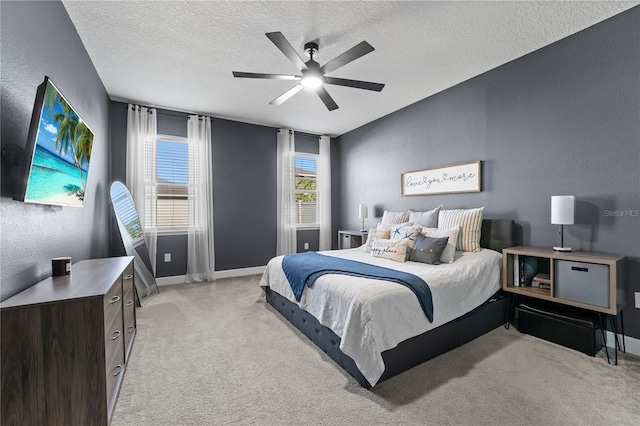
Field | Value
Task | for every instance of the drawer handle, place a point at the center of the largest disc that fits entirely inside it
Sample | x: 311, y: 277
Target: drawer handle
x: 131, y: 329
x: 128, y: 277
x: 347, y: 236
x: 129, y: 303
x: 579, y: 269
x: 116, y: 334
x: 114, y: 299
x: 119, y: 367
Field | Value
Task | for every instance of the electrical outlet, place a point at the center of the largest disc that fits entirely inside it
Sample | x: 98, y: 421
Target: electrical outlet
x: 167, y: 257
x: 306, y: 246
x: 638, y: 299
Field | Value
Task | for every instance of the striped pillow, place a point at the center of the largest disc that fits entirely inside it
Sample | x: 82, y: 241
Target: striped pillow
x: 470, y: 222
x: 393, y: 218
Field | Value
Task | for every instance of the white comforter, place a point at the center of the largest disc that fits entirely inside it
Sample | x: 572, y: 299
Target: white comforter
x: 372, y: 316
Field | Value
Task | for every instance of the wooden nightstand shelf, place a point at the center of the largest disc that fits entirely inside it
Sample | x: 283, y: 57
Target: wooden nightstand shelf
x: 595, y: 282
x: 351, y: 239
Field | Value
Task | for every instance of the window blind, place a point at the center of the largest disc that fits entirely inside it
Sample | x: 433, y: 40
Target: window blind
x: 306, y: 190
x: 172, y: 178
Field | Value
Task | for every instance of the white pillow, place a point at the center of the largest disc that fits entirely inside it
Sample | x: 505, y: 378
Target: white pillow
x: 428, y: 218
x: 390, y: 249
x: 392, y: 218
x: 470, y: 222
x: 449, y: 253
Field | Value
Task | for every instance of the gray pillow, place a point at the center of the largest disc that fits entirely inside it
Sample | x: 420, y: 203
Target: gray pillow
x: 427, y: 219
x: 428, y: 250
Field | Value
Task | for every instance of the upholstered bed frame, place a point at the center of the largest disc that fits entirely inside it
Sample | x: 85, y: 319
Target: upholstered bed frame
x: 496, y: 235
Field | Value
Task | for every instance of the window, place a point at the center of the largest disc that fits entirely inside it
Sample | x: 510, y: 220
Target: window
x: 172, y: 178
x: 306, y: 190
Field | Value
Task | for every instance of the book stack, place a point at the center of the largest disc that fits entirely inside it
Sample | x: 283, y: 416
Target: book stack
x: 542, y: 281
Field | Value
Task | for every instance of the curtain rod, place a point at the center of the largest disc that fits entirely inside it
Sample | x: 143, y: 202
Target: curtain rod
x: 173, y: 113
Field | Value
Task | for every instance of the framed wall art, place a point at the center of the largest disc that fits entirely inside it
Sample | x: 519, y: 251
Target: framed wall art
x: 450, y: 179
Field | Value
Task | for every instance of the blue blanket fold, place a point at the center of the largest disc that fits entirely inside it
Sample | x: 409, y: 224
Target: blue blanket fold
x: 305, y: 268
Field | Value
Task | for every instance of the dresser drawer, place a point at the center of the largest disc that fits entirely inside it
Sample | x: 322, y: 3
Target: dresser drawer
x: 112, y: 301
x: 127, y: 278
x: 129, y: 298
x: 114, y: 372
x: 114, y: 337
x: 129, y: 327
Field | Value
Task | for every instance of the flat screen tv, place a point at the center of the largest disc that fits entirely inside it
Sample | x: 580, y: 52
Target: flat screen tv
x: 59, y: 147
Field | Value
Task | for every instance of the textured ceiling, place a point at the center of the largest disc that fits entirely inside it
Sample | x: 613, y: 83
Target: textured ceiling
x: 179, y: 54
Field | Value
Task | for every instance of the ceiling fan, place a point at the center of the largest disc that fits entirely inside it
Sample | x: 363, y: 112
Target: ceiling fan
x: 313, y: 75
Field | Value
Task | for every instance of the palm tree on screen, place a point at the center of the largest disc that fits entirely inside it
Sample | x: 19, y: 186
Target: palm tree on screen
x: 73, y: 134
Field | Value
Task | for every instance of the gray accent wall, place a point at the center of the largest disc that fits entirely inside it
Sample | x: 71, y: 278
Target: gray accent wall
x: 563, y: 120
x: 118, y: 143
x: 39, y: 39
x: 244, y: 193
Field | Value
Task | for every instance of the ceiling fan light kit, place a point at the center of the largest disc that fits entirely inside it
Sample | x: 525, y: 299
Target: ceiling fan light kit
x: 311, y: 81
x: 313, y: 75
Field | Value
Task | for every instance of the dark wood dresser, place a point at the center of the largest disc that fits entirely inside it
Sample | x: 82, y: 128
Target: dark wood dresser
x: 65, y: 345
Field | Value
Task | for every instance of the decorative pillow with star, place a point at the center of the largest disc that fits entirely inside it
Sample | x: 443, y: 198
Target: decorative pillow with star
x: 428, y: 250
x: 407, y: 232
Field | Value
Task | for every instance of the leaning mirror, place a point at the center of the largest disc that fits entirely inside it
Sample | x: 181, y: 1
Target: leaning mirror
x: 133, y: 240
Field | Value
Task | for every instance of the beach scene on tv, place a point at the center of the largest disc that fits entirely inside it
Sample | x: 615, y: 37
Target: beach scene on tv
x: 62, y: 154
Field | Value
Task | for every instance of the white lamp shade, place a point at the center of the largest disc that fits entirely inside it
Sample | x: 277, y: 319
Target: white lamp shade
x: 363, y: 211
x: 562, y: 209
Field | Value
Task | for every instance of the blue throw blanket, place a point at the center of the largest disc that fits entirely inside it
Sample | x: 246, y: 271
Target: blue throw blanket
x: 305, y: 268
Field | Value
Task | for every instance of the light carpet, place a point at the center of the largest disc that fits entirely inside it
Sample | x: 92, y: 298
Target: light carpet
x: 218, y: 354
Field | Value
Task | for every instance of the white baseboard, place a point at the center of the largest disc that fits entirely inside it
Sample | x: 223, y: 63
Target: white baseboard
x: 218, y: 275
x: 176, y: 279
x: 632, y: 345
x: 242, y: 272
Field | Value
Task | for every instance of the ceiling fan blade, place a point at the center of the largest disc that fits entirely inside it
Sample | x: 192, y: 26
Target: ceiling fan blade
x: 285, y: 47
x: 286, y: 95
x: 240, y: 74
x: 326, y: 98
x: 350, y: 55
x: 357, y: 84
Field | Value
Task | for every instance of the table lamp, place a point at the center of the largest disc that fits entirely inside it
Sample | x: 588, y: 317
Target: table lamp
x: 363, y: 213
x: 562, y: 212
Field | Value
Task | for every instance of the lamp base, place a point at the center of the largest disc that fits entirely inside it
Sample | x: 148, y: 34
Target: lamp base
x: 562, y: 248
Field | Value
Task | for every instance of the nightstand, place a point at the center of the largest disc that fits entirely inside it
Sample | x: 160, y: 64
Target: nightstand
x: 351, y: 239
x: 594, y: 282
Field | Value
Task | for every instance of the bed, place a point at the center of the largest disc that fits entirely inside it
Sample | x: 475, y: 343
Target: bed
x: 376, y: 329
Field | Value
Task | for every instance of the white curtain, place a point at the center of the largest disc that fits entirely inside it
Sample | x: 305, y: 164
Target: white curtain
x: 141, y: 171
x: 200, y: 253
x: 324, y: 192
x: 286, y: 241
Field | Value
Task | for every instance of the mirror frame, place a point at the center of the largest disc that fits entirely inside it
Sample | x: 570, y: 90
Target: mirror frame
x: 132, y: 236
